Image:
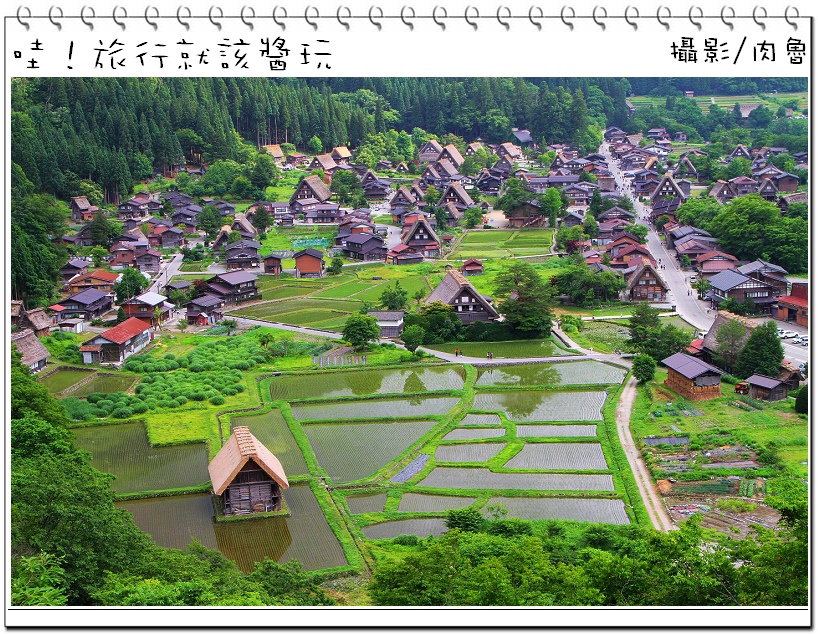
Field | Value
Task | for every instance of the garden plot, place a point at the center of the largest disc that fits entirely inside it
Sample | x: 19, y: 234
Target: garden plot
x: 409, y: 284
x: 272, y: 430
x: 375, y: 409
x: 468, y: 452
x: 63, y: 379
x: 345, y: 290
x: 466, y: 434
x: 590, y: 510
x: 482, y: 478
x: 284, y: 292
x: 123, y: 450
x: 349, y: 452
x: 366, y: 504
x: 480, y: 420
x: 559, y: 456
x: 500, y: 350
x: 366, y: 382
x: 565, y: 373
x: 310, y: 309
x: 105, y: 384
x: 421, y: 527
x: 556, y: 431
x: 432, y: 503
x: 541, y: 405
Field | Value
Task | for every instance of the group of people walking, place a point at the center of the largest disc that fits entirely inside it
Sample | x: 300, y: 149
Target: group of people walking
x: 458, y: 353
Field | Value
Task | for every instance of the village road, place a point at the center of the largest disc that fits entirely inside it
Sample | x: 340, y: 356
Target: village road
x: 651, y: 498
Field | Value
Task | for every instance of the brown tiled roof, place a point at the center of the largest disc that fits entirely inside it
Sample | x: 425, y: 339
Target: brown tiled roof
x: 29, y: 347
x: 99, y: 274
x: 240, y: 448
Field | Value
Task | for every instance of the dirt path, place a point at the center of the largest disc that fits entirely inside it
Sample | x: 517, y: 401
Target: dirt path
x: 653, y: 502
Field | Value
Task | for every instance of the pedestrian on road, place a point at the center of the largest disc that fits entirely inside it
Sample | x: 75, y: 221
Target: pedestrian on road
x: 456, y: 352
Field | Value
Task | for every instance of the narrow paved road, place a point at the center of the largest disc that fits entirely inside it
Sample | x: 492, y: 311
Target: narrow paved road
x: 651, y: 498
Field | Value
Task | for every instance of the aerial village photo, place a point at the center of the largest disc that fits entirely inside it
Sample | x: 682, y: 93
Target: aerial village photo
x: 367, y: 342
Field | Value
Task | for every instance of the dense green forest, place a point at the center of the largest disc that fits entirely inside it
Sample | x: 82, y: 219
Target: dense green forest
x: 70, y: 545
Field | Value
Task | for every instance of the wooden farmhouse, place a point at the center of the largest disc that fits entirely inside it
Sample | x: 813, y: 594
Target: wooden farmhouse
x: 390, y: 322
x: 87, y: 305
x: 81, y: 209
x: 34, y: 354
x: 472, y: 267
x: 469, y: 304
x: 234, y: 287
x: 205, y: 310
x: 309, y: 263
x: 766, y: 388
x: 247, y: 476
x: 456, y: 194
x: 646, y: 285
x: 732, y: 284
x: 692, y: 378
x: 117, y: 344
x: 422, y: 238
x: 242, y: 255
x: 430, y: 151
x: 152, y: 308
x: 100, y: 280
x: 310, y: 192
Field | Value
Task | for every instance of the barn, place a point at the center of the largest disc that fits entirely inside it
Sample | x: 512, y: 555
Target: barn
x: 692, y: 378
x: 247, y: 476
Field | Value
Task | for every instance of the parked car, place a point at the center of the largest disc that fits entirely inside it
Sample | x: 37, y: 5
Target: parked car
x: 788, y: 334
x: 780, y: 332
x: 796, y: 340
x: 805, y: 340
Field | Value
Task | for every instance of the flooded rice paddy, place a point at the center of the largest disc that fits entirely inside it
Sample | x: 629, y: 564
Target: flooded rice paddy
x: 366, y: 504
x: 468, y: 452
x: 105, y: 383
x: 124, y: 451
x: 432, y: 503
x: 366, y: 382
x: 542, y: 405
x: 376, y: 409
x: 420, y: 527
x: 558, y: 373
x: 305, y: 535
x: 466, y: 434
x: 272, y: 430
x: 556, y: 431
x: 349, y: 452
x: 582, y: 509
x: 559, y: 456
x: 480, y: 420
x: 482, y: 478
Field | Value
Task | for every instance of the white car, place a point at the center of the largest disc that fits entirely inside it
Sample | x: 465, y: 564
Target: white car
x: 780, y: 332
x: 788, y: 334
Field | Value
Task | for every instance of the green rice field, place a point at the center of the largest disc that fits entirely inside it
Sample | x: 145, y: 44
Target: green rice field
x: 366, y: 504
x: 349, y: 452
x: 502, y: 243
x: 421, y: 527
x: 305, y: 535
x: 556, y: 431
x: 559, y: 456
x: 466, y: 434
x: 366, y: 382
x: 565, y: 373
x: 124, y: 451
x: 582, y: 509
x: 64, y: 379
x: 468, y: 452
x: 501, y: 350
x: 482, y: 478
x: 304, y: 312
x: 105, y: 383
x: 272, y: 430
x: 539, y: 405
x: 375, y: 409
x: 411, y: 502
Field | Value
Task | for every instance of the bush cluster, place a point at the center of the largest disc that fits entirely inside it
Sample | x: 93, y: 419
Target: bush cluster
x: 237, y: 353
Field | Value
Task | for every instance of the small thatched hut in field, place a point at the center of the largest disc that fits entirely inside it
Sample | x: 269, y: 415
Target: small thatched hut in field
x: 247, y: 476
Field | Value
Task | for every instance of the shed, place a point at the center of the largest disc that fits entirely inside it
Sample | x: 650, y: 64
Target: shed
x: 272, y: 264
x: 390, y: 322
x: 472, y: 267
x: 692, y: 378
x: 766, y: 388
x: 309, y: 263
x: 248, y: 477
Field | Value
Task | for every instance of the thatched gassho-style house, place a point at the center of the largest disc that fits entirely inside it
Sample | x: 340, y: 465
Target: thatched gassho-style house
x: 34, y: 354
x: 247, y: 476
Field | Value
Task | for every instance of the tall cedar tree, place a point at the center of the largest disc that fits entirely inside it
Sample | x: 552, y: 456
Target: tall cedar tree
x: 762, y: 354
x: 528, y: 302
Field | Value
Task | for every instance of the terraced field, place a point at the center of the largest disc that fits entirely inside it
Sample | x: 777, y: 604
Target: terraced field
x: 556, y: 431
x: 419, y: 526
x: 601, y: 510
x: 468, y: 452
x: 560, y: 373
x: 432, y: 503
x: 375, y: 409
x: 272, y: 430
x: 466, y: 434
x: 366, y: 504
